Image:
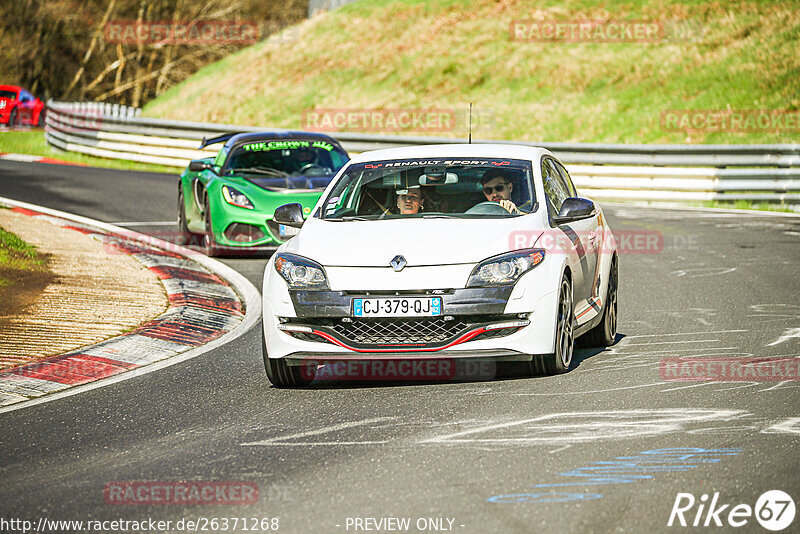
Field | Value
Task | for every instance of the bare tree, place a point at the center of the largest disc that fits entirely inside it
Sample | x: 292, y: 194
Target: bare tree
x: 63, y: 48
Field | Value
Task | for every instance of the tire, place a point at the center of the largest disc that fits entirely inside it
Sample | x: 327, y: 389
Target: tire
x: 184, y: 237
x: 559, y: 361
x: 605, y: 333
x: 282, y: 375
x: 209, y: 243
x: 13, y: 119
x: 40, y: 123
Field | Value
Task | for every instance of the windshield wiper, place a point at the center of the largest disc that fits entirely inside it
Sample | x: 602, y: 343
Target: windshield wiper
x: 439, y: 216
x: 347, y: 218
x: 262, y: 170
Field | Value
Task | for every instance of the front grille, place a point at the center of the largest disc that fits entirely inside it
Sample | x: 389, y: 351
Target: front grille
x: 417, y: 331
x: 400, y: 331
x: 243, y: 233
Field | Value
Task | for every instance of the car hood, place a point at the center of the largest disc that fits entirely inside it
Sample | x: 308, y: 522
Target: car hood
x: 420, y: 241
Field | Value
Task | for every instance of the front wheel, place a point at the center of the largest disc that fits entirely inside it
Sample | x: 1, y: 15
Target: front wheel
x: 559, y: 361
x: 285, y: 376
x: 184, y: 237
x: 209, y: 241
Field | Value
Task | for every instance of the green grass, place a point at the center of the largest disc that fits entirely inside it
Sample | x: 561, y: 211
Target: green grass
x: 749, y: 205
x: 17, y: 255
x: 447, y: 53
x: 33, y: 142
x: 24, y: 273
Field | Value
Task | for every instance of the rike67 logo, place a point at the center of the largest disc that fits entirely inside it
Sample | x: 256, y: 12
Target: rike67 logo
x: 774, y: 510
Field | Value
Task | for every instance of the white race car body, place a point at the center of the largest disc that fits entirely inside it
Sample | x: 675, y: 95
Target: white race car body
x: 508, y: 321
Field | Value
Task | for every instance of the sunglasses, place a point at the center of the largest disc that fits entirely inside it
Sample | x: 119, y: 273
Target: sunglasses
x: 498, y: 188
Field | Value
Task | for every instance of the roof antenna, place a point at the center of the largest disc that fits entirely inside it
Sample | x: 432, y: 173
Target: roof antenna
x: 470, y: 123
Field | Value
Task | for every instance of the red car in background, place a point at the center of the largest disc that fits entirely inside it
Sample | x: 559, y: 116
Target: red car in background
x: 19, y: 107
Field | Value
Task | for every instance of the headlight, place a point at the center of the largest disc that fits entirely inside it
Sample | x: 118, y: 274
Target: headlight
x: 300, y: 272
x: 236, y: 198
x: 505, y: 269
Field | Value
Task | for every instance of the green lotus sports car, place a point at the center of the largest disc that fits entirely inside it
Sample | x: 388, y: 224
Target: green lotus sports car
x: 227, y: 202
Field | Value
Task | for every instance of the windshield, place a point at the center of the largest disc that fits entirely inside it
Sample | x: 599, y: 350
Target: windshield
x: 432, y: 188
x: 286, y: 164
x: 11, y: 95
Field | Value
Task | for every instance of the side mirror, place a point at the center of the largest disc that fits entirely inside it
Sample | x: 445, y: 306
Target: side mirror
x: 289, y: 215
x: 197, y: 166
x: 575, y: 209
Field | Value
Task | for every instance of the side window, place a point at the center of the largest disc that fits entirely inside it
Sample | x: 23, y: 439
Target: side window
x: 554, y: 187
x: 566, y: 179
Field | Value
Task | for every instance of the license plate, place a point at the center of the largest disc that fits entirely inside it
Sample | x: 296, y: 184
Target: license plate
x: 398, y: 307
x: 287, y: 231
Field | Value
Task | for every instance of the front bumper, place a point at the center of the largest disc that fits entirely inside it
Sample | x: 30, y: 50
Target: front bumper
x: 317, y: 329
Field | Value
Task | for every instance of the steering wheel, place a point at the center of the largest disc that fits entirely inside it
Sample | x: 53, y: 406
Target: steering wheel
x: 309, y: 166
x: 526, y: 203
x: 487, y: 208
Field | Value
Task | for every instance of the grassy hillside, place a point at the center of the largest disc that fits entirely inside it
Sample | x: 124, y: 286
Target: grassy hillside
x: 390, y: 54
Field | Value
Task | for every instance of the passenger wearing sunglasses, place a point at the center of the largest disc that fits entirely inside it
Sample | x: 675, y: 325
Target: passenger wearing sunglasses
x: 497, y: 187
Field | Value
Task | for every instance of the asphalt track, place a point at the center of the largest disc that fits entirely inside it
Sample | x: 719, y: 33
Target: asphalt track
x: 581, y: 452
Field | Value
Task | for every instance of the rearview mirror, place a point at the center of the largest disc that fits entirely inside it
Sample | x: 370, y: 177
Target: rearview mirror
x: 289, y: 214
x: 197, y: 166
x: 575, y: 209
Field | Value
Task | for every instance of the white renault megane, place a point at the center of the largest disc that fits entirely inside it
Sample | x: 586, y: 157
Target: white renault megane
x: 445, y: 251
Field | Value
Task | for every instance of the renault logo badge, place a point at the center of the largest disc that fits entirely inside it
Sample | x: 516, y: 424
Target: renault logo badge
x: 398, y: 262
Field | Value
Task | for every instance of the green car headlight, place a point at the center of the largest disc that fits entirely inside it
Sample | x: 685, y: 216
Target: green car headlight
x: 505, y: 269
x: 300, y: 272
x: 236, y: 198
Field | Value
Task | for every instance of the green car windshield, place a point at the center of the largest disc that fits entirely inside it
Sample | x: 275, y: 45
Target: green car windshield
x: 286, y: 164
x: 432, y: 188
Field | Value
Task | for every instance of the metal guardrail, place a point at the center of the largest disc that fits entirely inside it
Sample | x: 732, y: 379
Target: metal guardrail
x: 620, y: 171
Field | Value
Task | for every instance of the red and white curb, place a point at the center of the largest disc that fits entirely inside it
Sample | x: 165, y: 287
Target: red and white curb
x: 29, y: 158
x: 210, y: 305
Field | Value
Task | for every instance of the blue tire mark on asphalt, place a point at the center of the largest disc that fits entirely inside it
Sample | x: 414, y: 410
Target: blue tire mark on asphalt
x: 543, y: 497
x: 620, y: 470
